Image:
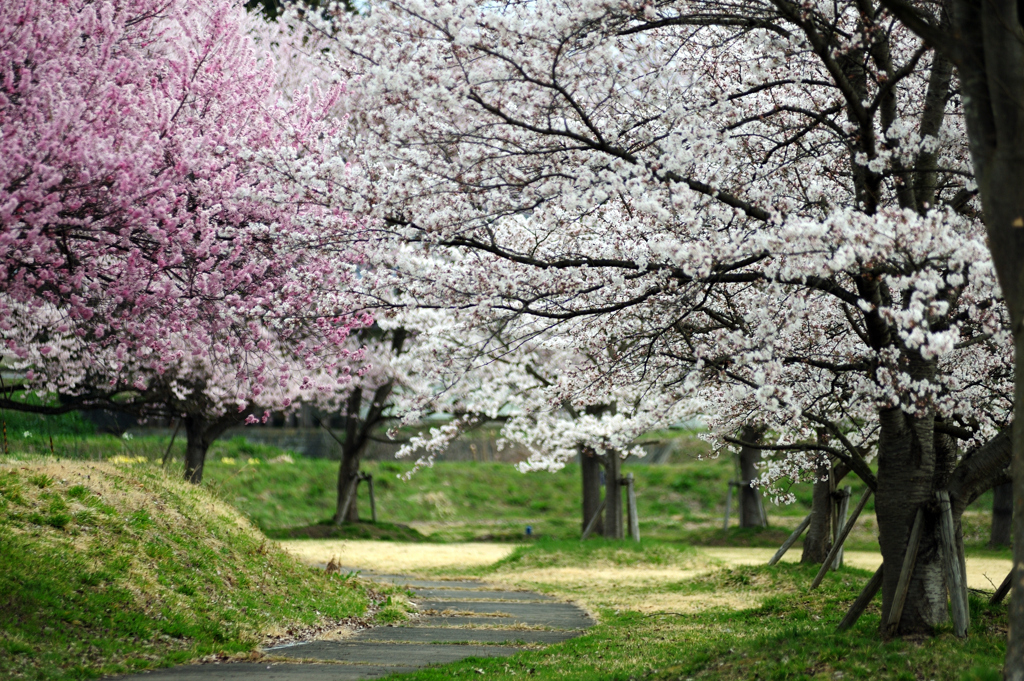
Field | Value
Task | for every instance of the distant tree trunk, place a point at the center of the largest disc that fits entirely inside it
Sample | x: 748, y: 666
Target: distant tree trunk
x: 1002, y: 515
x: 590, y: 466
x: 818, y: 540
x: 351, y: 453
x: 613, y: 496
x: 358, y: 428
x: 200, y: 433
x: 750, y: 510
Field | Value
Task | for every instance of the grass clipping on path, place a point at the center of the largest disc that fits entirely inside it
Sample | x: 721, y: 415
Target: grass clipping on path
x: 110, y: 569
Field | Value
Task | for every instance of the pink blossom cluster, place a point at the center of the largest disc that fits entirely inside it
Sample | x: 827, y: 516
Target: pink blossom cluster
x: 168, y: 204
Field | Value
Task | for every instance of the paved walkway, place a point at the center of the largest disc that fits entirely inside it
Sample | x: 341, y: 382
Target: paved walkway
x: 483, y: 621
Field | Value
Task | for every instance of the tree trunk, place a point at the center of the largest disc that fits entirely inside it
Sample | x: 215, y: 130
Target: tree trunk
x: 196, y: 446
x: 613, y: 496
x: 590, y: 466
x: 1013, y: 669
x: 750, y: 509
x: 348, y: 470
x: 1002, y: 515
x: 906, y: 482
x: 818, y: 540
x: 200, y: 432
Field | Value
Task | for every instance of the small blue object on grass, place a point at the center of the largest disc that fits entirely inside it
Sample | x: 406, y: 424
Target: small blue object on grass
x: 529, y: 530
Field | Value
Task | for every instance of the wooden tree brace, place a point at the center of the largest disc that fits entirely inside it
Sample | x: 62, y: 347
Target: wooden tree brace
x: 1003, y: 589
x: 954, y: 577
x: 593, y: 520
x: 791, y: 540
x: 634, y: 521
x: 844, y: 508
x: 728, y: 506
x: 838, y: 546
x: 348, y: 500
x: 865, y: 597
x: 900, y: 597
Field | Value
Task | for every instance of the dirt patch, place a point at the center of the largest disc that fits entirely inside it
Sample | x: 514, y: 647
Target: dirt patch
x: 982, y: 573
x: 390, y: 557
x: 328, y: 530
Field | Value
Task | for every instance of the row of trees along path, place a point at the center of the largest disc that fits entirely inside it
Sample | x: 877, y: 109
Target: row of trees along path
x: 762, y: 211
x: 767, y: 210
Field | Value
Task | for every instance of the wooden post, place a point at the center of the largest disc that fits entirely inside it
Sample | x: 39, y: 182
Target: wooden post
x: 838, y: 546
x: 728, y: 507
x: 1003, y: 589
x: 792, y: 540
x: 760, y: 506
x: 954, y: 577
x: 167, y: 454
x: 593, y: 521
x: 844, y: 509
x: 349, y: 500
x: 865, y: 597
x: 373, y: 502
x: 634, y: 521
x: 613, y: 528
x: 896, y: 611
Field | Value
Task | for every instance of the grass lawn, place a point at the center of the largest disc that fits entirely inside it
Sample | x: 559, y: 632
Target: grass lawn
x: 668, y: 613
x: 135, y: 584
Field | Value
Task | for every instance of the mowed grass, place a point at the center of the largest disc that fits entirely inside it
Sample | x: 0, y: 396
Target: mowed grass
x: 458, y: 501
x: 467, y: 500
x: 110, y: 568
x: 462, y: 501
x: 713, y: 623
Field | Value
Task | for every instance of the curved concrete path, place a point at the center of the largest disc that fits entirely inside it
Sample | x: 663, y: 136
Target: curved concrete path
x: 481, y: 620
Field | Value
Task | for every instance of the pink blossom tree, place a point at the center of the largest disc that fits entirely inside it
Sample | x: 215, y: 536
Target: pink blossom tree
x: 171, y: 230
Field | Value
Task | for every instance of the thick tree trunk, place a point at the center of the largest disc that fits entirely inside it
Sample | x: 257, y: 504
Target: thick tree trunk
x: 613, y: 528
x: 1002, y: 515
x: 348, y: 470
x: 590, y: 467
x: 818, y: 540
x: 1013, y: 670
x: 906, y: 482
x: 751, y: 511
x: 196, y: 446
x: 200, y: 432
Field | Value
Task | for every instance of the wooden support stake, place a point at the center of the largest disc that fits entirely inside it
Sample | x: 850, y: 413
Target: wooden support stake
x: 760, y: 506
x: 900, y: 597
x: 634, y: 521
x: 373, y: 502
x: 593, y: 520
x: 838, y: 546
x: 728, y: 507
x: 790, y: 541
x: 865, y: 597
x: 170, y: 444
x: 1003, y: 589
x: 844, y: 509
x: 951, y: 557
x: 353, y: 488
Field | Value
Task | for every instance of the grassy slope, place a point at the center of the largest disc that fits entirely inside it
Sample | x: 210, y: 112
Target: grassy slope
x: 723, y: 624
x: 107, y: 569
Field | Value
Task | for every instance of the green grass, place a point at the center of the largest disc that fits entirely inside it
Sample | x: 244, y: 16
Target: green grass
x: 110, y: 569
x: 774, y: 629
x: 456, y: 501
x: 470, y: 500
